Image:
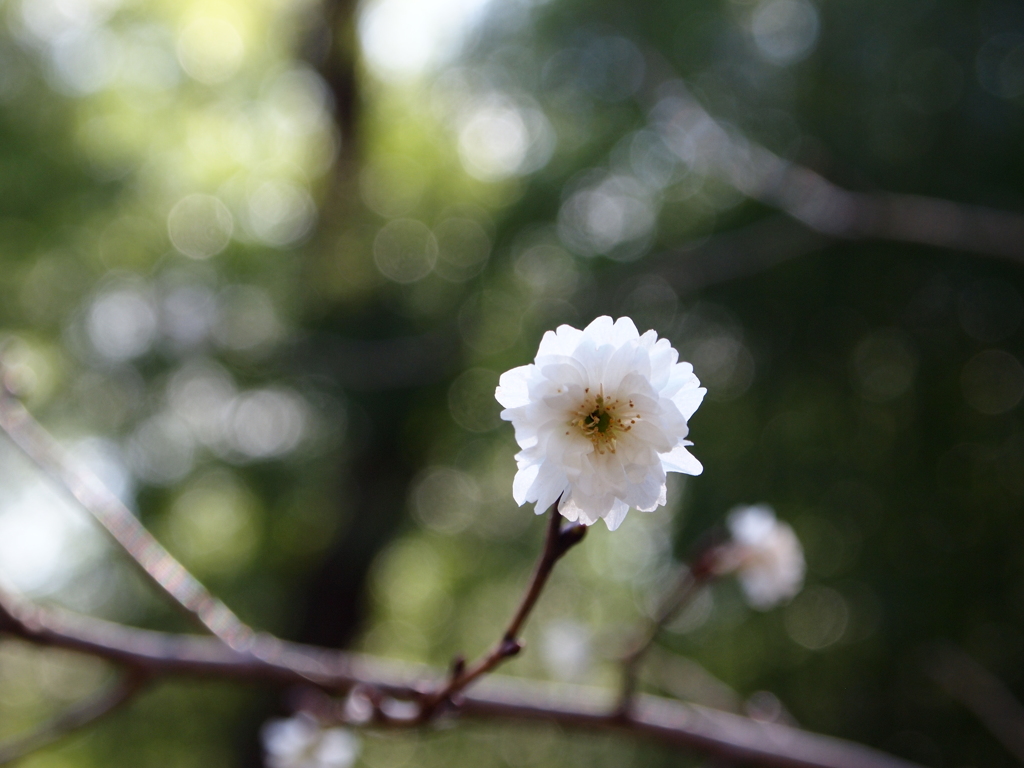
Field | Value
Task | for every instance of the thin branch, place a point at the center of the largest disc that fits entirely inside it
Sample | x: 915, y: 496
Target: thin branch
x: 831, y: 210
x: 145, y: 551
x: 74, y: 718
x: 557, y: 542
x: 395, y: 689
x: 685, y: 590
x: 982, y: 693
x: 708, y: 731
x: 687, y: 587
x: 717, y: 149
x: 683, y: 678
x: 160, y: 654
x: 721, y: 735
x: 732, y: 254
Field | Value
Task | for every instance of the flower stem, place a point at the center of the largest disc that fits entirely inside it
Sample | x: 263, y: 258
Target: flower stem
x: 559, y: 540
x: 688, y: 585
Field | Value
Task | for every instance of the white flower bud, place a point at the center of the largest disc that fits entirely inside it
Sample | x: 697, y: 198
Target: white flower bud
x: 300, y: 742
x: 765, y: 554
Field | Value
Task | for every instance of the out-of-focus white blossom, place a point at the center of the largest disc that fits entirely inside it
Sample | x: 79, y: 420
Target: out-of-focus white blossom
x: 300, y: 742
x: 601, y: 416
x: 765, y: 554
x: 567, y: 650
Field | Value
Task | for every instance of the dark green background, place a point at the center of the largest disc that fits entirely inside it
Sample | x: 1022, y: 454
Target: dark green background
x: 850, y: 401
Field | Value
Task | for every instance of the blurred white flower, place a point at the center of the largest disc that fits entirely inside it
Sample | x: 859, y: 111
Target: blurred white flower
x: 600, y: 416
x: 567, y: 650
x: 300, y: 742
x: 765, y: 554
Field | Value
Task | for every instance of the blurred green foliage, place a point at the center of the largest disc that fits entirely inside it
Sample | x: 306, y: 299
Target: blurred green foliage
x: 271, y: 310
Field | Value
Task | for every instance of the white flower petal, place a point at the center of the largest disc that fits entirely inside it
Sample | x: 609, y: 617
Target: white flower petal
x: 568, y: 509
x: 688, y: 400
x: 752, y: 525
x: 524, y: 480
x: 681, y: 460
x: 591, y: 506
x: 651, y: 493
x: 561, y: 341
x: 650, y: 338
x: 565, y: 373
x: 301, y: 742
x: 600, y: 330
x: 681, y: 377
x: 766, y: 555
x: 650, y: 432
x: 513, y: 389
x: 624, y: 331
x: 550, y: 483
x: 614, y: 518
x: 620, y: 364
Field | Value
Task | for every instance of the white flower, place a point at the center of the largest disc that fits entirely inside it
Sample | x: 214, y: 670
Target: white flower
x: 766, y: 555
x: 600, y: 416
x: 567, y: 650
x: 300, y: 742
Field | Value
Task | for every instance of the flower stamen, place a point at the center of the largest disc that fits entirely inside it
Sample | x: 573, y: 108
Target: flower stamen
x: 598, y: 419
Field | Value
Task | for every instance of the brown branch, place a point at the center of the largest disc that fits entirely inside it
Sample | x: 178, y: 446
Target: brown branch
x: 557, y: 542
x: 685, y: 590
x: 732, y: 254
x: 722, y: 735
x: 399, y: 696
x: 708, y: 731
x: 982, y: 693
x: 717, y: 149
x: 687, y: 587
x: 74, y: 718
x: 155, y: 562
x: 683, y: 678
x: 831, y: 210
x: 159, y: 654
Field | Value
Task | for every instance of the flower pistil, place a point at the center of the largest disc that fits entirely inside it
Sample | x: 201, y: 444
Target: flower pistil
x: 599, y: 419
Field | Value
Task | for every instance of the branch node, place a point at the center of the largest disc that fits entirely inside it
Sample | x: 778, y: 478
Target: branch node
x: 458, y: 667
x: 570, y: 536
x: 510, y: 647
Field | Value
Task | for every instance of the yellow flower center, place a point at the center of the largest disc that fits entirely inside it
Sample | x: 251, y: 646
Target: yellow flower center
x: 604, y: 420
